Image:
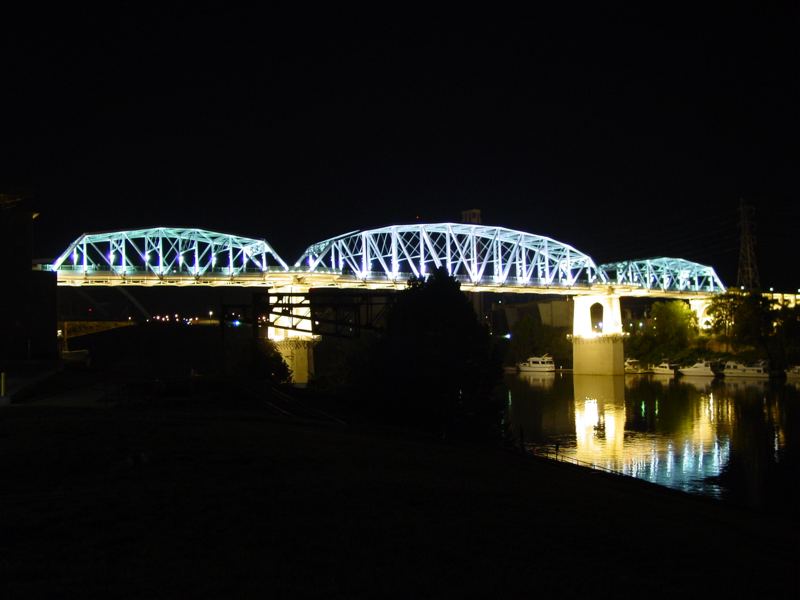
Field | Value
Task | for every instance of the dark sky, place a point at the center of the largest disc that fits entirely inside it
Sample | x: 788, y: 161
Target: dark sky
x: 626, y: 134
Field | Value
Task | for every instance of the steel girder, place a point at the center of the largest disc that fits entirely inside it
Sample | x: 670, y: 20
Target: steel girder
x: 667, y: 274
x: 163, y: 251
x: 471, y: 253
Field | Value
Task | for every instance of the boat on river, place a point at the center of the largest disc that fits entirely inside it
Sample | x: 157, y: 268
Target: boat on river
x: 793, y: 372
x: 733, y: 368
x: 537, y: 364
x: 663, y: 368
x: 634, y: 367
x: 701, y: 368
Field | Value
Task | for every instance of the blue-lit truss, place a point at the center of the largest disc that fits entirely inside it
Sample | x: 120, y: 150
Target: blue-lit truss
x: 665, y: 274
x: 471, y: 253
x: 167, y: 251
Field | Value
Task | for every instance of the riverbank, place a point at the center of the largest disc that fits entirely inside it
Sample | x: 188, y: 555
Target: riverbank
x: 201, y: 496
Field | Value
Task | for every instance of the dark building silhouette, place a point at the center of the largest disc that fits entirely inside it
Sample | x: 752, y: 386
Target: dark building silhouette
x: 27, y: 297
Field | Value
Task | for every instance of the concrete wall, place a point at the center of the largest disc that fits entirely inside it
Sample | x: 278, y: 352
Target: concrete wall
x: 556, y: 313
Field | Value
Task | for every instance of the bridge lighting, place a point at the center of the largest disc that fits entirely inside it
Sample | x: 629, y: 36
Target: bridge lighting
x: 475, y: 253
x: 481, y: 255
x: 668, y: 274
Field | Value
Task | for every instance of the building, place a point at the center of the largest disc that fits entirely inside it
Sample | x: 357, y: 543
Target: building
x: 28, y: 298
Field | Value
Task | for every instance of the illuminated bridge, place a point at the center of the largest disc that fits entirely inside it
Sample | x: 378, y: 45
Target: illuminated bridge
x: 483, y: 258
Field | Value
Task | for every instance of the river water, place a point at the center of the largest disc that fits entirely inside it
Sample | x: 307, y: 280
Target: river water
x: 737, y: 441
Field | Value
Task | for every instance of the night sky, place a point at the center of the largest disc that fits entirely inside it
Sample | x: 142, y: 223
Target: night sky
x: 625, y: 134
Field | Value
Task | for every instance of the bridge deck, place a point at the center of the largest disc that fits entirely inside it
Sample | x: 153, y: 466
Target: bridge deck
x: 303, y: 281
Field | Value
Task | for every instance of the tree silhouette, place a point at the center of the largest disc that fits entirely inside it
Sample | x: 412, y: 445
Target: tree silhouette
x: 434, y: 368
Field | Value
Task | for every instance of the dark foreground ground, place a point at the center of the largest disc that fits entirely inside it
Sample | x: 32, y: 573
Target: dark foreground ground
x: 216, y: 495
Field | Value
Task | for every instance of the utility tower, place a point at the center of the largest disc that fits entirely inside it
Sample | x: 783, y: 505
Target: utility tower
x: 748, y: 268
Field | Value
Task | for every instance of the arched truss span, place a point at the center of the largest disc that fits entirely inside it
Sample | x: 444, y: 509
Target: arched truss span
x: 472, y: 253
x: 666, y: 274
x: 163, y: 251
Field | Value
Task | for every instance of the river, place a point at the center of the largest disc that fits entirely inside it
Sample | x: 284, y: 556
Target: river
x: 737, y: 441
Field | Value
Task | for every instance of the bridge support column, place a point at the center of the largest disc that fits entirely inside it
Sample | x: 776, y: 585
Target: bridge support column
x: 597, y: 336
x: 291, y: 329
x: 700, y: 308
x: 299, y: 355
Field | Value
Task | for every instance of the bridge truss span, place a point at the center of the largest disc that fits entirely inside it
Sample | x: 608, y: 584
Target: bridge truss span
x: 664, y: 274
x: 475, y: 254
x: 166, y: 253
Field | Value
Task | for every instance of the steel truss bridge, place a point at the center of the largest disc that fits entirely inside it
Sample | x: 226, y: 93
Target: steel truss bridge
x: 483, y: 258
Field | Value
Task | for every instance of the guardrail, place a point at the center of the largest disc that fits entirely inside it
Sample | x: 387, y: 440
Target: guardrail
x: 561, y: 457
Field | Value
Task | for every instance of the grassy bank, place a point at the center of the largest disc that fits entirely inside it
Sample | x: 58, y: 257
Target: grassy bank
x: 176, y: 498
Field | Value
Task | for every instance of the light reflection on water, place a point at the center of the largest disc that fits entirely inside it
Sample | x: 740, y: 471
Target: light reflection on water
x: 716, y: 438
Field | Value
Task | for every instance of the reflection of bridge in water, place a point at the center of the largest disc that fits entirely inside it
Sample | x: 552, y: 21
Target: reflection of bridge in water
x: 482, y: 258
x: 666, y: 431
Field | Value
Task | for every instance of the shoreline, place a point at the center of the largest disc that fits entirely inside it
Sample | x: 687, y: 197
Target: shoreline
x: 171, y: 498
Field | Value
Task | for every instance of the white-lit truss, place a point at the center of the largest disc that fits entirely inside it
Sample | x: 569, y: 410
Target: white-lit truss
x: 471, y: 253
x: 167, y: 251
x: 666, y: 274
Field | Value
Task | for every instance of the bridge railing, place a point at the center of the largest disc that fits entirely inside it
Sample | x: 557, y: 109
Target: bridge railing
x: 400, y: 278
x: 155, y: 271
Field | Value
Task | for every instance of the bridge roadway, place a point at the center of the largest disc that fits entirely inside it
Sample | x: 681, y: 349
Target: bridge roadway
x: 302, y: 281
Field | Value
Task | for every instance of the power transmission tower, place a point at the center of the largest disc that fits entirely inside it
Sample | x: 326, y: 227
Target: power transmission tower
x: 748, y: 268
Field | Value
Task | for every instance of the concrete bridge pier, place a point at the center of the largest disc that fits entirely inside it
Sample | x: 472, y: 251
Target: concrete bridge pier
x: 700, y: 308
x: 299, y: 355
x: 290, y: 328
x: 597, y: 336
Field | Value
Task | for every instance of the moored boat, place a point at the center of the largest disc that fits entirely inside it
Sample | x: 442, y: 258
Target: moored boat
x: 663, y: 368
x: 634, y: 367
x: 537, y: 364
x: 701, y: 368
x: 733, y: 368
